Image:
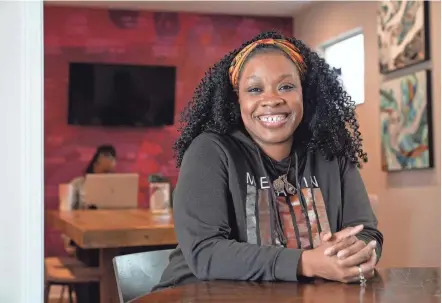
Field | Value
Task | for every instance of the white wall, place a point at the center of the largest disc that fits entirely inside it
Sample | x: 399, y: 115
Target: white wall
x: 21, y: 153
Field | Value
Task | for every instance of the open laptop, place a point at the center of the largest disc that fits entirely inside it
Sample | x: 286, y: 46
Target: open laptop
x: 111, y: 191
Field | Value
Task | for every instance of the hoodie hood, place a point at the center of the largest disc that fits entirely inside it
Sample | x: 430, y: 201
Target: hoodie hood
x: 293, y: 168
x: 273, y: 168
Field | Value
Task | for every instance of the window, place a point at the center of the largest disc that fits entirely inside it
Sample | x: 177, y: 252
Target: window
x: 346, y: 55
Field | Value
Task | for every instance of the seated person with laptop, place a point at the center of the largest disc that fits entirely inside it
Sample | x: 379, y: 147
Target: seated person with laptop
x: 102, y: 162
x: 100, y: 187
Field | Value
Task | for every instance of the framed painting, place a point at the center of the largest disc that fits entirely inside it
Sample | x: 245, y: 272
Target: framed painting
x: 403, y: 34
x: 406, y: 123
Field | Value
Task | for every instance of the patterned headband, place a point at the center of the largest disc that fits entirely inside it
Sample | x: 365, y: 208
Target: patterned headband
x: 284, y: 45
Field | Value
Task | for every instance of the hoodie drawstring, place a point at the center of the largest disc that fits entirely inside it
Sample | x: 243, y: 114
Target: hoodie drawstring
x: 303, y: 203
x: 295, y: 225
x: 312, y: 165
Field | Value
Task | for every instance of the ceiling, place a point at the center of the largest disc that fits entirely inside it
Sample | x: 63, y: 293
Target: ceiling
x: 229, y: 7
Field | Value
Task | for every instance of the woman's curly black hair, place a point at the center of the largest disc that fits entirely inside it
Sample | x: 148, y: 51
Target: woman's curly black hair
x: 329, y: 123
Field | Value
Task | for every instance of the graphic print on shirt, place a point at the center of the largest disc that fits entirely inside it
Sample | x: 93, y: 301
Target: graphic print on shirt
x: 308, y: 213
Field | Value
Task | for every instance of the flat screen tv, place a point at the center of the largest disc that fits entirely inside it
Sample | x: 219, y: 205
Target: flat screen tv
x: 121, y: 95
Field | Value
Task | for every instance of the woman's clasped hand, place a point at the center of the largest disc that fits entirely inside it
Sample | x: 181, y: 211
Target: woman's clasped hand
x: 341, y: 257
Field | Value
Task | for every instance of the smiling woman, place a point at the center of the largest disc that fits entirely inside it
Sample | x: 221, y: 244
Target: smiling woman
x: 269, y: 187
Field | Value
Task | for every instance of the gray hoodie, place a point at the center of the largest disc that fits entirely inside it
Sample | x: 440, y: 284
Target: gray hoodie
x: 232, y: 224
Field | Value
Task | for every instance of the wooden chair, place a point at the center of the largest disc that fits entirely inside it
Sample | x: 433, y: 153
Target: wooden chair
x: 67, y: 272
x: 137, y: 274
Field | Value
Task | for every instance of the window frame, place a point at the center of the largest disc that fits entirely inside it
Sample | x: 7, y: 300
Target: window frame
x: 321, y: 50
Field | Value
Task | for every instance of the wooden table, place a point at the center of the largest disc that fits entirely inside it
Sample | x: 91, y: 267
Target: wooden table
x: 110, y: 231
x: 402, y: 285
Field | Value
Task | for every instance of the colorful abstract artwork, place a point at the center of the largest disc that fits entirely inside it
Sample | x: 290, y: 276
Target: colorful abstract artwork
x: 406, y: 122
x: 402, y: 28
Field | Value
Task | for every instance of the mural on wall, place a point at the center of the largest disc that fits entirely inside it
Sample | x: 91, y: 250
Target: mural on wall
x: 188, y: 41
x: 402, y: 28
x: 406, y: 122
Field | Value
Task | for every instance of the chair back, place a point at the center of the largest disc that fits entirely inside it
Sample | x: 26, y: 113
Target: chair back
x: 65, y: 195
x: 138, y: 273
x: 65, y: 192
x: 374, y: 201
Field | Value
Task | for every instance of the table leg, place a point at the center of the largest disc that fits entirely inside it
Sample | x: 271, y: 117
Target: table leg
x: 108, y: 284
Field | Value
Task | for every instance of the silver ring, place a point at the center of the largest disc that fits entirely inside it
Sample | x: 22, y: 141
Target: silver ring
x: 361, y: 276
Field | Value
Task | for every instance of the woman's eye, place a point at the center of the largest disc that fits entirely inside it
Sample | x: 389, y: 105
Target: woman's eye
x: 286, y: 87
x: 254, y: 90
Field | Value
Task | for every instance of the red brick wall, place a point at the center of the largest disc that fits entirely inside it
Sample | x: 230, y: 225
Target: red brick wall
x: 191, y: 42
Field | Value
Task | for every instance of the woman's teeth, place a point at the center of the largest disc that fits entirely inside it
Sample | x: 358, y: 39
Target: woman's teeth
x: 272, y: 118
